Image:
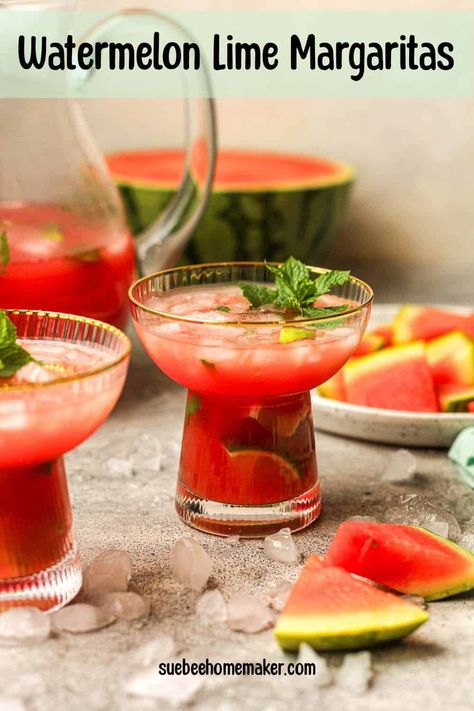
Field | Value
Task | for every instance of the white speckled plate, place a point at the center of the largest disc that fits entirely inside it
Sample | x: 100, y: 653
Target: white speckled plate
x: 411, y: 429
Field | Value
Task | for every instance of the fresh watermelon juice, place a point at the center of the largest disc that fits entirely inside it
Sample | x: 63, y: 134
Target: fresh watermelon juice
x: 248, y: 437
x: 60, y: 262
x: 45, y: 412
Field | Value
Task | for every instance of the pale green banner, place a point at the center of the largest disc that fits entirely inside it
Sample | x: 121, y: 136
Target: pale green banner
x: 57, y: 53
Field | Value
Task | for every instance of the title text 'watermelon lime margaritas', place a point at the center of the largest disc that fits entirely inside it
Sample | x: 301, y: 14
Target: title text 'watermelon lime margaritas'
x: 248, y: 461
x: 48, y: 407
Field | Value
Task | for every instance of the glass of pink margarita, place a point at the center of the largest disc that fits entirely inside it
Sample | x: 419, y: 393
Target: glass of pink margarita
x: 248, y: 464
x: 45, y: 411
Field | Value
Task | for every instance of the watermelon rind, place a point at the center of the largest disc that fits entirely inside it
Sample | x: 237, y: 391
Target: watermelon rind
x: 252, y: 222
x: 366, y: 616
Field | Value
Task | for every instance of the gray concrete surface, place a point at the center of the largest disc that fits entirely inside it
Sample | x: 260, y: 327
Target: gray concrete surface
x: 432, y: 669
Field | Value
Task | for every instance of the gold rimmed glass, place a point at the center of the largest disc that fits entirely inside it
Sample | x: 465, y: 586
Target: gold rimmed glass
x: 45, y: 412
x: 248, y: 464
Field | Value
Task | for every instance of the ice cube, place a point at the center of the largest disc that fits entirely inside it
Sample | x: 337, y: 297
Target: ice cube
x: 416, y: 510
x: 401, y: 467
x: 24, y: 625
x: 119, y: 467
x: 277, y: 596
x: 467, y: 540
x: 355, y: 673
x: 211, y: 606
x: 248, y: 614
x: 35, y: 373
x: 363, y: 519
x: 190, y: 562
x: 231, y: 540
x: 8, y: 703
x: 147, y: 458
x: 125, y: 605
x: 306, y: 654
x: 175, y: 690
x: 79, y: 618
x: 157, y: 650
x: 110, y: 571
x: 281, y: 546
x: 441, y: 528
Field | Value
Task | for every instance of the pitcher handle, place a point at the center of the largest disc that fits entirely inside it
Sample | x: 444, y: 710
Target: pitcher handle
x: 160, y: 245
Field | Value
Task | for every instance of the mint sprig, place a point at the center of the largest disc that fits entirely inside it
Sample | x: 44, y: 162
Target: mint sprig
x: 12, y: 355
x: 4, y: 251
x: 296, y: 290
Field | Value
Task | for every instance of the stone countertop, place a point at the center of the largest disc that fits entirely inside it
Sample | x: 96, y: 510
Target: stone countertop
x: 132, y: 508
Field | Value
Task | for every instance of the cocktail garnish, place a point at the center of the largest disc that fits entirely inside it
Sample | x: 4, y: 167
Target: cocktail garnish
x: 296, y: 290
x: 12, y: 355
x: 4, y: 251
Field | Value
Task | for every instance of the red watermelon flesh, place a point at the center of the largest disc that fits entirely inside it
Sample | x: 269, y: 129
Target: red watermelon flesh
x: 406, y: 558
x: 470, y: 406
x: 385, y: 331
x: 334, y: 388
x: 396, y: 378
x: 330, y: 609
x: 425, y: 323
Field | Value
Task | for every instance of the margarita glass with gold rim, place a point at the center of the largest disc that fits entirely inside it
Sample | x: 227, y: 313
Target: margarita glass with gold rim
x: 248, y: 464
x: 45, y: 411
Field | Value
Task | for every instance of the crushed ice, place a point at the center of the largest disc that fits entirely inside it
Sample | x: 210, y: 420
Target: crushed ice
x: 355, y: 673
x: 24, y: 625
x: 281, y: 546
x: 190, y: 562
x: 175, y: 690
x: 156, y: 650
x: 80, y: 618
x: 416, y: 510
x: 125, y: 605
x: 400, y: 468
x: 466, y: 540
x: 277, y: 596
x: 323, y: 673
x: 211, y: 606
x: 248, y: 614
x: 109, y: 572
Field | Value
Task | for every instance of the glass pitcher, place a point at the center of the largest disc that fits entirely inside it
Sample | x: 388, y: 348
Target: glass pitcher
x: 64, y: 244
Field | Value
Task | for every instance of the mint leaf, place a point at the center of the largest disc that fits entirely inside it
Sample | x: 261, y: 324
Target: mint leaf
x: 12, y: 355
x: 323, y: 312
x: 4, y: 251
x: 223, y: 308
x: 257, y: 295
x: 326, y: 281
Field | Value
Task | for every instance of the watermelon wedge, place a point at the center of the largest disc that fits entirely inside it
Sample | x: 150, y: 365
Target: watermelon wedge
x: 470, y: 406
x: 386, y: 332
x: 396, y: 378
x: 406, y: 558
x: 334, y: 388
x: 455, y: 398
x: 330, y: 609
x: 369, y: 343
x: 424, y: 323
x: 263, y: 205
x: 451, y: 359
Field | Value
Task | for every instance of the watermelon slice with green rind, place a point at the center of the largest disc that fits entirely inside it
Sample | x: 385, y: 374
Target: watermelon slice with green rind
x: 330, y: 609
x: 455, y: 398
x: 396, y: 378
x: 451, y: 358
x: 415, y: 322
x: 405, y: 558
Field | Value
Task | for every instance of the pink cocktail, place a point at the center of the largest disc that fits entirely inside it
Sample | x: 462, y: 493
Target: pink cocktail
x: 45, y: 411
x: 248, y: 461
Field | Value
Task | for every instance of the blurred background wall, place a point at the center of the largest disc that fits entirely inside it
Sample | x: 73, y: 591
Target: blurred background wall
x: 412, y: 209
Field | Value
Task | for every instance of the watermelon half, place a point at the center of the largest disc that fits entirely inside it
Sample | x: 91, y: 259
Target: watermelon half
x: 330, y: 609
x: 263, y: 205
x: 406, y: 558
